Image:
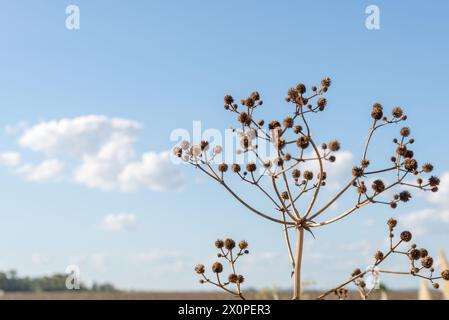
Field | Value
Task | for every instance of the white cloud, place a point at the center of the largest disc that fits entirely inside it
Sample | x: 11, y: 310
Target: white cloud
x: 338, y: 172
x: 422, y: 221
x: 435, y: 218
x: 154, y: 171
x: 119, y: 222
x: 10, y: 159
x: 442, y: 196
x: 48, y: 170
x: 102, y: 154
x: 78, y: 136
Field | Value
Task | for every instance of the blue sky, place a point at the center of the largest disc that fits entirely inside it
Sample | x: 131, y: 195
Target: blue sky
x: 160, y: 65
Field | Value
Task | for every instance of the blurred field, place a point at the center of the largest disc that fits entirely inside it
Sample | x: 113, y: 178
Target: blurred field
x: 397, y: 295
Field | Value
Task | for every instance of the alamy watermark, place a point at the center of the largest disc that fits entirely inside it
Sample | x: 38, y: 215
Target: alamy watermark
x: 372, y: 21
x: 73, y: 18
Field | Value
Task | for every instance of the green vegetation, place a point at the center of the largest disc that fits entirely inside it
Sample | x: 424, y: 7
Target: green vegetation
x: 10, y: 282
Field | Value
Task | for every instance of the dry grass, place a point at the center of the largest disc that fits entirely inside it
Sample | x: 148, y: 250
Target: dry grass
x: 396, y: 295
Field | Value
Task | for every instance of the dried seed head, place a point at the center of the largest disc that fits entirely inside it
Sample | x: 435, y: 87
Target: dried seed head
x: 427, y: 262
x: 287, y: 157
x: 361, y: 188
x: 284, y: 195
x: 200, y: 269
x: 244, y: 119
x: 236, y: 168
x: 233, y: 278
x: 296, y: 174
x: 414, y: 254
x: 288, y: 122
x: 223, y: 167
x: 219, y: 243
x: 308, y: 175
x: 302, y: 142
x: 364, y: 163
x: 377, y: 111
x: 357, y: 172
x: 393, y: 205
x: 278, y: 162
x: 409, y: 154
x: 177, y: 151
x: 404, y: 196
x: 255, y: 96
x: 379, y: 255
x: 405, y: 132
x: 274, y: 124
x: 321, y: 102
x: 402, y: 150
x: 397, y: 112
x: 427, y: 168
x: 251, y: 167
x: 298, y: 129
x: 243, y: 244
x: 356, y: 272
x: 249, y: 102
x: 423, y: 252
x: 322, y: 176
x: 332, y: 159
x: 261, y: 122
x: 378, y: 186
x: 228, y: 99
x: 301, y: 88
x: 326, y: 82
x: 229, y: 244
x: 406, y: 236
x: 414, y: 270
x: 217, y: 267
x: 434, y: 181
x: 240, y: 278
x: 334, y: 145
x: 435, y: 285
x: 410, y: 164
x: 445, y: 275
x: 267, y: 164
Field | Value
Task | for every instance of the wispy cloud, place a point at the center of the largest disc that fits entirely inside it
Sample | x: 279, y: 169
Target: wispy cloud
x: 101, y: 152
x: 119, y: 222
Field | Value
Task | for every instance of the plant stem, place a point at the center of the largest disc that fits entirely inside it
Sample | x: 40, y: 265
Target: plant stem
x: 297, y: 270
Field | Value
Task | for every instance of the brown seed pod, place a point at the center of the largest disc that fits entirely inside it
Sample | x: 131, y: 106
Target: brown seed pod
x: 236, y: 168
x: 427, y: 262
x: 414, y: 254
x: 223, y: 167
x: 229, y: 244
x: 200, y: 269
x: 243, y: 245
x: 406, y: 236
x: 219, y: 243
x: 445, y: 275
x: 217, y: 267
x: 378, y: 186
x: 379, y: 255
x: 392, y: 223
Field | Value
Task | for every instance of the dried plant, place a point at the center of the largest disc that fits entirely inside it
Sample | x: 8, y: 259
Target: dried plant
x: 226, y: 252
x: 292, y: 191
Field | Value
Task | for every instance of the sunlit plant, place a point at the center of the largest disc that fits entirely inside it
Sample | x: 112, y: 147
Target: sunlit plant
x: 294, y: 191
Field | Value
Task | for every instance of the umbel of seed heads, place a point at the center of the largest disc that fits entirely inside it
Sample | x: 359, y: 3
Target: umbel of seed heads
x: 419, y: 260
x: 230, y: 252
x: 293, y: 141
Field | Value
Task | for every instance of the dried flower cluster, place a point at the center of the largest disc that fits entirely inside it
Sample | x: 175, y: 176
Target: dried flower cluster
x: 228, y: 251
x: 419, y: 259
x: 289, y: 186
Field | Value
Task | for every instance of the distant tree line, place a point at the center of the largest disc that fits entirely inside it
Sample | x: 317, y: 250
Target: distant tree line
x: 10, y: 282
